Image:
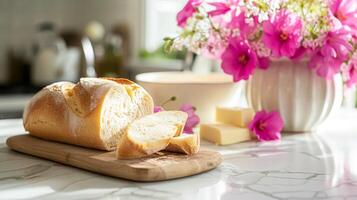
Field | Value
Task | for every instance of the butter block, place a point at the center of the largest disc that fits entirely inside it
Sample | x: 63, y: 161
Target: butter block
x: 224, y: 134
x: 235, y: 116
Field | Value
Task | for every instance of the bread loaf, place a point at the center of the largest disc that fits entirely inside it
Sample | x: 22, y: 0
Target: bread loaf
x: 92, y: 113
x: 151, y: 134
x: 186, y: 143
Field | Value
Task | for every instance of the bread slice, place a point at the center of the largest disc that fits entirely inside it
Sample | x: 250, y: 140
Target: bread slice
x: 151, y: 134
x: 93, y: 113
x: 186, y: 143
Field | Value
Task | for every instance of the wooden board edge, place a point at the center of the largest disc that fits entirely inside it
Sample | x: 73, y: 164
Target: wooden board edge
x: 11, y: 143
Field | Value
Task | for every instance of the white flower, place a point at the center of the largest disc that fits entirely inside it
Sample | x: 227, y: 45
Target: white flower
x: 261, y: 49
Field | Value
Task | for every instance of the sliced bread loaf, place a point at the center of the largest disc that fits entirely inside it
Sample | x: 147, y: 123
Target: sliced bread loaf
x: 150, y: 134
x: 186, y: 143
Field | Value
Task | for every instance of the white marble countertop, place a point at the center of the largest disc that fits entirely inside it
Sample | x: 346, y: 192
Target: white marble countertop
x: 321, y: 165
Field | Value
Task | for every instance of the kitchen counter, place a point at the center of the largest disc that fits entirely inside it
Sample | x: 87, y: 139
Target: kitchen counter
x: 321, y: 165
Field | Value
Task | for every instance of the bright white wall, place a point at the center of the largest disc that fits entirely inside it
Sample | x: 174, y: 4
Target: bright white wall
x: 162, y: 21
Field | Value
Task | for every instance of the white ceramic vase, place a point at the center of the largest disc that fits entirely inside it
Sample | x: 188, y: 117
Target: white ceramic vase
x: 303, y: 99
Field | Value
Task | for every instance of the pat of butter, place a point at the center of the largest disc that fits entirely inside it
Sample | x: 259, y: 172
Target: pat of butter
x: 224, y: 134
x: 235, y: 116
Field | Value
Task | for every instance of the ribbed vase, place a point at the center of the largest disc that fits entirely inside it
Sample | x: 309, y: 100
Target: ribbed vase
x: 303, y: 99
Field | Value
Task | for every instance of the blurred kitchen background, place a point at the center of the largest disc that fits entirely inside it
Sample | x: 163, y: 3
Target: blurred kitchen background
x: 43, y: 41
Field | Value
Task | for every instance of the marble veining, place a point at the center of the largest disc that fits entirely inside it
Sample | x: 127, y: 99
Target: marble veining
x: 320, y: 165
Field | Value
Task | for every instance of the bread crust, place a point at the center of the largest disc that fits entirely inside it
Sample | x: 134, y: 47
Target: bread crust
x: 188, y: 145
x: 129, y: 148
x: 72, y: 113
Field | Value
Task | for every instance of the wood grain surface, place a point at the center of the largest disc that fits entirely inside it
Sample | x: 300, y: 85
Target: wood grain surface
x: 161, y: 166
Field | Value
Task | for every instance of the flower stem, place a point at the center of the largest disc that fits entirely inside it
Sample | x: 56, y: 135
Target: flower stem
x: 173, y: 98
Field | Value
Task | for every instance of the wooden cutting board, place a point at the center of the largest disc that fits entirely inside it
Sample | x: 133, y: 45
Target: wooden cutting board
x: 162, y: 166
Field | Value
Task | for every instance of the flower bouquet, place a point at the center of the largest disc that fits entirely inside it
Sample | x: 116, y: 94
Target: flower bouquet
x: 312, y: 38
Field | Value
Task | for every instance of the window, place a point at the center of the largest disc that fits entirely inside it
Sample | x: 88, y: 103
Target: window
x: 160, y: 21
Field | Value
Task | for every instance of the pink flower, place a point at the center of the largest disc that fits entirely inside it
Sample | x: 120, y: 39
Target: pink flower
x: 238, y: 22
x: 282, y: 34
x: 214, y: 46
x: 192, y: 120
x: 346, y: 12
x: 158, y: 109
x: 239, y: 59
x: 266, y: 125
x: 349, y: 72
x: 220, y: 8
x: 301, y: 52
x: 188, y: 10
x: 328, y: 59
x: 264, y: 62
x: 326, y: 66
x: 336, y: 44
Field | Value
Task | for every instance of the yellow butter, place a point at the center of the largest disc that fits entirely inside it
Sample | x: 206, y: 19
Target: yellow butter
x: 224, y: 134
x: 235, y: 116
